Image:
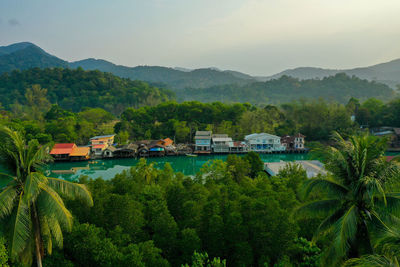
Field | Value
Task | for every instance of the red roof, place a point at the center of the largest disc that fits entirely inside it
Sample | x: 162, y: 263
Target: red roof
x: 63, y: 148
x: 99, y: 146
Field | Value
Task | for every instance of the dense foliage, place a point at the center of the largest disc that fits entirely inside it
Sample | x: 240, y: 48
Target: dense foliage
x: 315, y: 119
x: 75, y: 89
x: 339, y: 88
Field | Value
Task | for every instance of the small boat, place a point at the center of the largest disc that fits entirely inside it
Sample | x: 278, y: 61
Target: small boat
x: 191, y: 155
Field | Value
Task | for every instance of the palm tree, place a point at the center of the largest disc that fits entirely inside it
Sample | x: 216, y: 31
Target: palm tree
x: 31, y: 202
x: 388, y: 248
x: 356, y: 202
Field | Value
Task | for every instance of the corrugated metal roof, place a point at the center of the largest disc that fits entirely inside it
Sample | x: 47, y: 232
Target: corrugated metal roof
x: 222, y: 139
x: 102, y: 136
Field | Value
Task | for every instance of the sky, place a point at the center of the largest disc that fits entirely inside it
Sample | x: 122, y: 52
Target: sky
x: 258, y: 37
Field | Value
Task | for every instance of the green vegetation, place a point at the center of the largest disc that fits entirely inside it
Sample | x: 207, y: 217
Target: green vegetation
x: 76, y: 89
x: 231, y: 214
x: 31, y: 209
x: 317, y: 120
x: 339, y: 88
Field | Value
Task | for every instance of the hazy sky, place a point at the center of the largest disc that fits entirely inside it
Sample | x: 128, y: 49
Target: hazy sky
x: 254, y: 36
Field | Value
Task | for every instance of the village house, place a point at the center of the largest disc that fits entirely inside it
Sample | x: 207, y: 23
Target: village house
x: 238, y: 147
x: 80, y: 153
x: 220, y: 143
x: 69, y: 151
x: 202, y: 142
x: 264, y: 143
x: 293, y: 143
x: 127, y: 151
x: 62, y: 151
x: 100, y: 143
x: 109, y: 152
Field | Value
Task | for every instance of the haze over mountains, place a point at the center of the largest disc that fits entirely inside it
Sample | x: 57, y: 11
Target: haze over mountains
x: 27, y: 55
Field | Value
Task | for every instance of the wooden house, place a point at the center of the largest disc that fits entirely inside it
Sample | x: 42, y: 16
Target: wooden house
x: 293, y: 143
x: 143, y: 151
x: 156, y: 150
x: 109, y: 152
x: 127, y: 151
x: 220, y: 143
x: 264, y: 143
x: 80, y: 153
x: 202, y: 142
x: 238, y: 147
x: 62, y: 151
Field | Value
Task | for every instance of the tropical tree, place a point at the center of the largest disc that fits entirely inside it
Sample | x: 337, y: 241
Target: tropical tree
x: 30, y: 204
x: 357, y: 199
x: 388, y: 251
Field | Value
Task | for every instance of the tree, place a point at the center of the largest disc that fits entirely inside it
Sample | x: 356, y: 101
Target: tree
x: 3, y: 254
x: 31, y: 202
x: 357, y: 198
x: 256, y: 163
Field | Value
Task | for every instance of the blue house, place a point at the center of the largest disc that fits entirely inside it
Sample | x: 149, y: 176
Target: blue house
x: 202, y: 142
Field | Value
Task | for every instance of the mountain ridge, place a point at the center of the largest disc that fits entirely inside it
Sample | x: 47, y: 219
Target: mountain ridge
x: 26, y: 55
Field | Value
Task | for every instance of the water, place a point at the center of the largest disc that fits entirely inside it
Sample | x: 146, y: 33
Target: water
x: 108, y: 168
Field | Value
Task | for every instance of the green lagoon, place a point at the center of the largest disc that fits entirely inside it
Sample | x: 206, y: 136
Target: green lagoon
x: 108, y: 168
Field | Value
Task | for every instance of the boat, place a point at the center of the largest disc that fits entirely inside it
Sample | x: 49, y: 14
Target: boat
x: 191, y: 155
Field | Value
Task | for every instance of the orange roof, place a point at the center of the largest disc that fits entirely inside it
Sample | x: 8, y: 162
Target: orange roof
x: 80, y: 151
x: 63, y: 148
x: 168, y: 142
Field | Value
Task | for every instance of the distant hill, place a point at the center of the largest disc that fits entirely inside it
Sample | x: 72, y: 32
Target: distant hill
x: 27, y: 55
x: 339, y: 88
x: 387, y: 73
x: 76, y: 89
x: 172, y: 77
x: 24, y: 56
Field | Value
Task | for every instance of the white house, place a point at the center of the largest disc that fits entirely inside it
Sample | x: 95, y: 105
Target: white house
x: 263, y: 142
x: 220, y: 143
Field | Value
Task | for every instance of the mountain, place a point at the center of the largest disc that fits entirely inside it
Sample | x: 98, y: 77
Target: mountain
x: 388, y: 73
x: 339, y: 88
x: 25, y: 56
x: 172, y: 77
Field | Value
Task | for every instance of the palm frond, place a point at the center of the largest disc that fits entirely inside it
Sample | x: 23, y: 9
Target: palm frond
x: 318, y: 208
x: 32, y: 186
x: 50, y: 204
x: 7, y: 198
x: 328, y: 223
x: 72, y: 190
x: 372, y: 261
x: 21, y: 231
x: 346, y: 229
x: 327, y: 185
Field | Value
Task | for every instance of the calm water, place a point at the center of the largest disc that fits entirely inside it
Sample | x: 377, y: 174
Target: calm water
x: 107, y: 169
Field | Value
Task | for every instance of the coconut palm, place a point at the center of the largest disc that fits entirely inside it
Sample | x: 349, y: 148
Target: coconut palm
x: 30, y: 204
x: 357, y: 201
x: 388, y: 249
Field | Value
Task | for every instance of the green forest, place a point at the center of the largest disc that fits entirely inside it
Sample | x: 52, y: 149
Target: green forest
x: 76, y: 89
x: 338, y: 88
x: 229, y: 214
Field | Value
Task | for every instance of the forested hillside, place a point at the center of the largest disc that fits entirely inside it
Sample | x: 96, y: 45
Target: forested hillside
x: 339, y: 88
x: 75, y: 89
